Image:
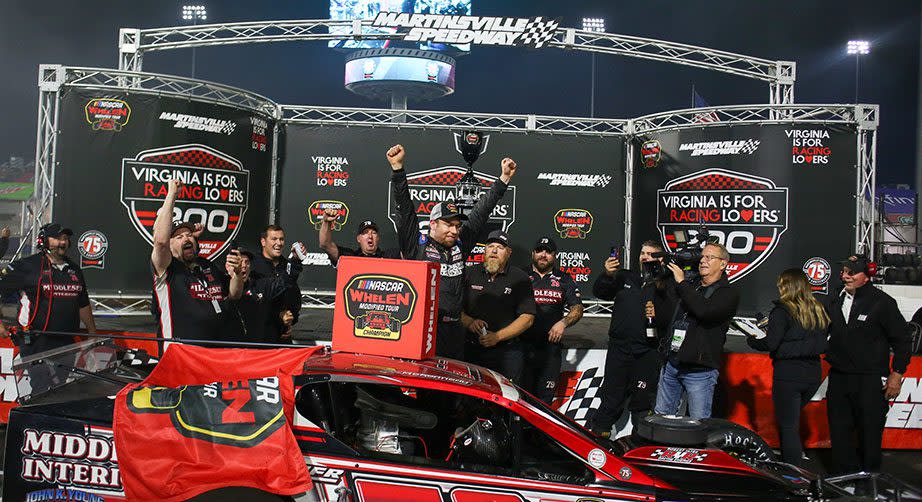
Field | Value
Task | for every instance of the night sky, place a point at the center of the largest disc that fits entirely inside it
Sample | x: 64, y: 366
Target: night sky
x: 511, y: 80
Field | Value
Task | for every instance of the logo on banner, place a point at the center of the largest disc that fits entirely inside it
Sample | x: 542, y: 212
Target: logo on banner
x: 746, y: 213
x: 575, y: 263
x: 214, y: 193
x: 259, y: 137
x: 476, y: 255
x: 92, y: 247
x: 708, y: 148
x: 650, y: 153
x: 573, y: 223
x: 106, y: 114
x: 331, y: 171
x: 316, y: 259
x: 818, y: 273
x: 318, y: 207
x: 196, y: 123
x: 379, y: 305
x: 576, y: 180
x: 533, y: 32
x: 807, y: 146
x: 428, y: 188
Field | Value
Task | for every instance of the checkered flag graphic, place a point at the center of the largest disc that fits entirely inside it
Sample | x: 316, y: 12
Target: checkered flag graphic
x: 538, y: 32
x: 228, y: 127
x: 584, y: 397
x: 750, y: 146
x: 603, y: 180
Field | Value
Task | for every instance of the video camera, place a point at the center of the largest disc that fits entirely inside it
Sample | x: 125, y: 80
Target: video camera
x: 687, y: 254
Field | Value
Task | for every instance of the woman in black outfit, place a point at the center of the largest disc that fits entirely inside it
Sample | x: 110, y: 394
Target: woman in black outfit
x: 795, y: 339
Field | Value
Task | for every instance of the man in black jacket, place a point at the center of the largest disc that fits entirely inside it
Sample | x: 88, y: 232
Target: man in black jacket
x: 633, y: 361
x: 448, y: 242
x: 255, y: 316
x: 697, y: 332
x: 865, y: 325
x: 270, y: 264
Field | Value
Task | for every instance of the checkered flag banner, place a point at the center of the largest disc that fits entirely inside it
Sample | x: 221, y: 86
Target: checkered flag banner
x: 585, y: 396
x: 538, y: 32
x: 751, y: 146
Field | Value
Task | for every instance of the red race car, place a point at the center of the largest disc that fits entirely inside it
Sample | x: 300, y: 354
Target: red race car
x: 380, y: 428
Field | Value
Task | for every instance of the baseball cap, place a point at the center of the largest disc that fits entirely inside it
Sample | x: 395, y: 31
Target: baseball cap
x: 546, y: 243
x: 498, y: 236
x: 445, y: 211
x: 856, y: 263
x: 366, y: 225
x: 56, y: 229
x: 178, y: 224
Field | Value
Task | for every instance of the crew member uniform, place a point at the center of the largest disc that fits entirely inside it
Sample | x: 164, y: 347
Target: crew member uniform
x: 863, y: 329
x: 286, y: 271
x: 498, y: 301
x: 417, y: 246
x: 553, y: 292
x: 633, y: 360
x: 392, y: 253
x: 191, y: 302
x: 253, y: 317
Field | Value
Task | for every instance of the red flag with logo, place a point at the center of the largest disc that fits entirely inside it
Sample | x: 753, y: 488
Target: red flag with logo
x: 210, y: 418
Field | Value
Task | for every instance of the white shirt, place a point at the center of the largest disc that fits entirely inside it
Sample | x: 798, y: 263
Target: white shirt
x: 847, y: 300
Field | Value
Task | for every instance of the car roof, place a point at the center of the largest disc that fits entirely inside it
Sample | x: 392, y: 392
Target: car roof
x: 448, y: 372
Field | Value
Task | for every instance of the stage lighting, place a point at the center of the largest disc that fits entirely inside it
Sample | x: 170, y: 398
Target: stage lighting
x: 596, y: 24
x: 194, y: 13
x: 858, y: 47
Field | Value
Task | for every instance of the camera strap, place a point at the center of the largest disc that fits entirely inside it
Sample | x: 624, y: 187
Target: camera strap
x: 681, y: 325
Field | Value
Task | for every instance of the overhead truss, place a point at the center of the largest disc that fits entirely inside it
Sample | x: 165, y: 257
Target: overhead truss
x: 134, y: 43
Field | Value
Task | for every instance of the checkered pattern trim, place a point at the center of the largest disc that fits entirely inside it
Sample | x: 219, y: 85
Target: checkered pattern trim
x: 137, y: 357
x: 445, y: 178
x: 192, y: 157
x: 750, y: 146
x: 718, y: 182
x: 584, y: 398
x: 538, y: 32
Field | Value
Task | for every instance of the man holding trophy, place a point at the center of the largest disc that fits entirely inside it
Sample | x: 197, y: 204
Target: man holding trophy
x: 451, y: 236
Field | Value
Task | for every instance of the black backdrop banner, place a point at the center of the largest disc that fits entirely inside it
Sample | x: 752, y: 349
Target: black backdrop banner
x: 567, y: 187
x: 115, y: 154
x: 778, y: 197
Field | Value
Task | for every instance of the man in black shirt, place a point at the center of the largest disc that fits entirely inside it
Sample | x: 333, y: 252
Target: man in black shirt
x: 367, y: 238
x: 53, y: 293
x: 499, y: 305
x: 270, y: 264
x: 191, y: 293
x: 256, y: 311
x: 541, y: 346
x: 633, y: 361
x: 865, y: 324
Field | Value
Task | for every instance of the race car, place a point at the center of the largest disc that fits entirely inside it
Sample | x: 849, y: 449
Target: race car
x: 381, y: 428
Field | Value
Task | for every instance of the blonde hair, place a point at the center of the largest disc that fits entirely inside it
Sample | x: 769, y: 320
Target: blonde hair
x: 798, y: 298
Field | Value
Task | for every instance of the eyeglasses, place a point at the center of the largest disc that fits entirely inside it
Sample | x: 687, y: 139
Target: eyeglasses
x: 709, y: 257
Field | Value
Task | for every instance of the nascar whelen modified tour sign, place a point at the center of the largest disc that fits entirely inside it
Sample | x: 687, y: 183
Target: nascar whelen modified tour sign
x: 117, y: 154
x: 566, y: 187
x: 761, y: 191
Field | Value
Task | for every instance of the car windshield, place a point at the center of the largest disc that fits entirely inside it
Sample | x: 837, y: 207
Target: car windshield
x: 544, y: 408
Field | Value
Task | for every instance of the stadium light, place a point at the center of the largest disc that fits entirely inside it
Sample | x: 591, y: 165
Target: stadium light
x: 596, y: 25
x: 194, y: 13
x: 858, y: 47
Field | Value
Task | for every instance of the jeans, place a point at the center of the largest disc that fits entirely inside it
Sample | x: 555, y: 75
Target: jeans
x: 697, y: 384
x: 506, y: 358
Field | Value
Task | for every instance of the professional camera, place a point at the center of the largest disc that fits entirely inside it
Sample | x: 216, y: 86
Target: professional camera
x: 687, y: 254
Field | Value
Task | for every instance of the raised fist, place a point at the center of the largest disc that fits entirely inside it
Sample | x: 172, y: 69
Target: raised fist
x: 509, y: 166
x: 173, y: 187
x: 329, y: 215
x: 199, y: 230
x: 395, y: 157
x: 299, y: 251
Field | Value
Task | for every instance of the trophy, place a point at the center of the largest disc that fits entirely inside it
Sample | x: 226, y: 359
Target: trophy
x: 470, y: 144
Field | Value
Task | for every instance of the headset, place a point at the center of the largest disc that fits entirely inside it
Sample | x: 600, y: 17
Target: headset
x: 41, y: 240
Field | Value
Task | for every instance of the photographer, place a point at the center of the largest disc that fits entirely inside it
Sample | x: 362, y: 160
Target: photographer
x: 697, y: 334
x: 632, y: 363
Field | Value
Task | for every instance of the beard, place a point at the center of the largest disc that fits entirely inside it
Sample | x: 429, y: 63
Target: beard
x: 544, y: 267
x: 492, y: 264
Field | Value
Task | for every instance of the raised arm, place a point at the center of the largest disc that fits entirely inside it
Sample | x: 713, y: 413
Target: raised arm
x: 407, y: 226
x: 160, y: 256
x: 484, y: 207
x: 326, y: 235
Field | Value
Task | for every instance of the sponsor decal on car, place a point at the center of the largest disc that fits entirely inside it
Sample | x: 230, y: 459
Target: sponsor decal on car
x: 80, y: 461
x: 92, y: 246
x: 63, y: 495
x: 107, y: 114
x: 746, y: 213
x: 215, y: 192
x: 596, y: 458
x: 379, y: 305
x: 679, y: 455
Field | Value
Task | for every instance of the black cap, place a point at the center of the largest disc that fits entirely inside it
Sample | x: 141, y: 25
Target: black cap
x: 246, y: 252
x: 365, y: 225
x: 547, y: 244
x: 55, y: 230
x: 178, y: 224
x: 856, y: 263
x: 446, y: 211
x: 498, y: 236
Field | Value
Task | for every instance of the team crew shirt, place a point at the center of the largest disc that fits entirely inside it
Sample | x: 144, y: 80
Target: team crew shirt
x: 392, y: 253
x: 50, y: 298
x: 553, y: 292
x: 287, y: 271
x: 191, y: 303
x: 498, y: 301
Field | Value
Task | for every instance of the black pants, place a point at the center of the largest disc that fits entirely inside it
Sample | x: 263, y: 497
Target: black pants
x: 504, y: 358
x: 857, y: 412
x: 789, y: 397
x: 541, y: 368
x: 627, y: 376
x: 449, y: 340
